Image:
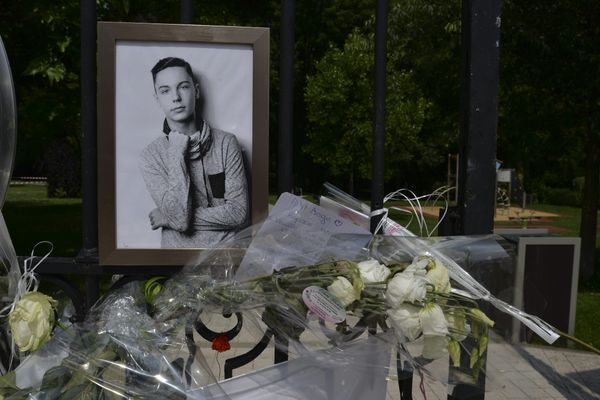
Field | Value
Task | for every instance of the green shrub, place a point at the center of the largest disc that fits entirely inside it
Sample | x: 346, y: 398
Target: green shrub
x: 560, y: 197
x: 62, y: 167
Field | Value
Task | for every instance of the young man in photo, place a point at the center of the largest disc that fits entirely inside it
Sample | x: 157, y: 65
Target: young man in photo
x: 194, y: 173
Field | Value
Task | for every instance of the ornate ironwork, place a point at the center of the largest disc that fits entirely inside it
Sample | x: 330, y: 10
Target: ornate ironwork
x: 72, y: 292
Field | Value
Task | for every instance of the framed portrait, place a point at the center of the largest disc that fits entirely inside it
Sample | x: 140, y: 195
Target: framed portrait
x: 183, y: 115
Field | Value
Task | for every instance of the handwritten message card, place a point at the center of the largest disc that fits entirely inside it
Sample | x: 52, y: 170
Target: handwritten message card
x: 297, y: 232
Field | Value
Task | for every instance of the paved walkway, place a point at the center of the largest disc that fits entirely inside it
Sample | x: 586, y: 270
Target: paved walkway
x: 529, y: 372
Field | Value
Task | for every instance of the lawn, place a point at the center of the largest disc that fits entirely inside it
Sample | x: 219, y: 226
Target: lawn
x: 32, y: 217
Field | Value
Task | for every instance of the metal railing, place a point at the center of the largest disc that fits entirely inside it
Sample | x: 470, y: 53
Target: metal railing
x: 474, y: 214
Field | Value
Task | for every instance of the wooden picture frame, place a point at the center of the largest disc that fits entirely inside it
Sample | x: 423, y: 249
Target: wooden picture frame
x: 231, y: 75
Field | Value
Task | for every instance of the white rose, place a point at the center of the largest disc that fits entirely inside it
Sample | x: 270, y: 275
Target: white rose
x: 405, y: 321
x: 405, y: 286
x: 32, y: 320
x: 372, y: 272
x: 434, y: 346
x: 438, y: 276
x: 343, y: 290
x: 433, y: 320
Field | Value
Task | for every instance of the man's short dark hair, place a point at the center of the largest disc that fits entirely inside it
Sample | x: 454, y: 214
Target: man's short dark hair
x: 172, y: 62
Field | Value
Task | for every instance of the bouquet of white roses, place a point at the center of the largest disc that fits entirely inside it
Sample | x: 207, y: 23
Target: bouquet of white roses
x: 138, y: 342
x: 128, y: 343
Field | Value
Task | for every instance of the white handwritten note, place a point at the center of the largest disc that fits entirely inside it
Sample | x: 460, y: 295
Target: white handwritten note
x: 296, y: 232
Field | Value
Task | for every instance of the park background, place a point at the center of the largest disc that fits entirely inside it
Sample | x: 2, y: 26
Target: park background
x: 548, y: 114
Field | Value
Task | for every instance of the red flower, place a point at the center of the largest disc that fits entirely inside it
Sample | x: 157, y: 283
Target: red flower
x: 221, y: 343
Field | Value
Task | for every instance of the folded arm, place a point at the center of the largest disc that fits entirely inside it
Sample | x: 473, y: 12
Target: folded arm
x: 168, y: 181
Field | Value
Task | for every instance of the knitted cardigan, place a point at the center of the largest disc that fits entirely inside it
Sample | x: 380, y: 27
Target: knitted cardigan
x: 204, y: 200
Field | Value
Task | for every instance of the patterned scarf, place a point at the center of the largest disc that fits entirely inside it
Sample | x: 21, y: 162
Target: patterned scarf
x: 200, y: 141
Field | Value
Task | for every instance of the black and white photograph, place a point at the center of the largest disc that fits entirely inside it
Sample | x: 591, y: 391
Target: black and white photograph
x: 184, y: 132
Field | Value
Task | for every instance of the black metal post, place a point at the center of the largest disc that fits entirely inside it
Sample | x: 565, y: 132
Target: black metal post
x: 377, y: 192
x: 187, y: 11
x: 477, y: 153
x: 89, y: 253
x: 285, y: 180
x: 88, y: 127
x: 479, y: 103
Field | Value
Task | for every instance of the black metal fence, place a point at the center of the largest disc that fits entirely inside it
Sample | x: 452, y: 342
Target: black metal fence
x: 479, y: 93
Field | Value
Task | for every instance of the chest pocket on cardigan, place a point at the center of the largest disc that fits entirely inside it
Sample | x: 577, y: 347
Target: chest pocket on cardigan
x: 217, y: 185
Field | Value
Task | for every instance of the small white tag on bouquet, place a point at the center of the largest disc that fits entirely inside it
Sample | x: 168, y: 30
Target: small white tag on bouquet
x: 323, y: 304
x: 295, y: 233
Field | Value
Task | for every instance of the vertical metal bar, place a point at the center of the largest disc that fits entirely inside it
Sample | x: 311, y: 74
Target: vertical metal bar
x: 89, y: 253
x: 286, y: 99
x: 477, y: 154
x: 187, y: 12
x: 88, y: 127
x: 377, y: 192
x: 479, y: 98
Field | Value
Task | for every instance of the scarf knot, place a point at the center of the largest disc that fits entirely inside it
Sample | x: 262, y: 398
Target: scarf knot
x: 200, y: 141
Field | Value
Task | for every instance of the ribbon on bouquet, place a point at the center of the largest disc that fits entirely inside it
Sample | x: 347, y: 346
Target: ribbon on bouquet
x: 27, y: 282
x: 544, y: 330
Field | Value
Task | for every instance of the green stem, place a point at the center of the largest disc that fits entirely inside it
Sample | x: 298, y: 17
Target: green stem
x: 579, y: 342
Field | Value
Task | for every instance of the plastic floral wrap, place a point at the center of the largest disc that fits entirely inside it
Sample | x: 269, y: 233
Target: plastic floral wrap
x: 9, y: 282
x: 339, y: 303
x: 119, y: 350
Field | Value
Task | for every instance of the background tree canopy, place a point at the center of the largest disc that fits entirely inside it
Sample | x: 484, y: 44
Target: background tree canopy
x: 548, y: 93
x: 549, y: 104
x: 422, y: 99
x: 339, y: 102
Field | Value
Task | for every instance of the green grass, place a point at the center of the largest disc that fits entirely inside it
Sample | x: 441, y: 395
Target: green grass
x: 32, y: 217
x: 588, y: 315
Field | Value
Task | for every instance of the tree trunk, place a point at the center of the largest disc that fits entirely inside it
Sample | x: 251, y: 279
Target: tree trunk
x: 589, y: 206
x: 351, y: 183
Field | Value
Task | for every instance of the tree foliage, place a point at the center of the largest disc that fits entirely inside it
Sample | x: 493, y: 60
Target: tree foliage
x: 340, y: 108
x: 550, y: 101
x: 42, y: 41
x: 421, y: 105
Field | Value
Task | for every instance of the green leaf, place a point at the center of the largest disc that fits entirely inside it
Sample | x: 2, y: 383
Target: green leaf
x: 54, y: 380
x: 152, y: 288
x: 454, y: 351
x: 77, y: 392
x: 483, y: 343
x: 7, y: 381
x: 474, y: 357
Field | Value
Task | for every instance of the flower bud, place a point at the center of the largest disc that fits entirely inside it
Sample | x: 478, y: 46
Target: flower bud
x: 480, y: 316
